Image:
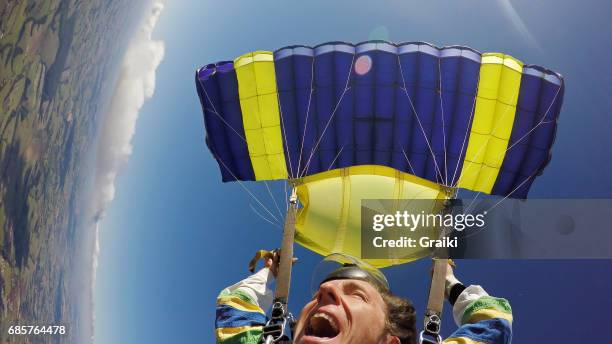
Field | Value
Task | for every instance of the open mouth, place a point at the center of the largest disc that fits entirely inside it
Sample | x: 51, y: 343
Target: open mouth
x: 322, y: 325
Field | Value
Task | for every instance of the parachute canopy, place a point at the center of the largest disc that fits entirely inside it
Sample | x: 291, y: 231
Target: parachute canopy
x: 378, y: 120
x: 453, y: 116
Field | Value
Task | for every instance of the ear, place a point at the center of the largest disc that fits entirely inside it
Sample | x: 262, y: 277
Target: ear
x: 392, y: 340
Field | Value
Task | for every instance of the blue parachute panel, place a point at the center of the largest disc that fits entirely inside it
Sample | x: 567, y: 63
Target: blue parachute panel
x: 533, y: 133
x: 406, y: 106
x: 218, y: 91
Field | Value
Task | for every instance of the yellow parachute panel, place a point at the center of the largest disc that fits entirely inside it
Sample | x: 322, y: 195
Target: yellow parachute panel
x: 261, y: 116
x: 330, y: 220
x: 498, y: 90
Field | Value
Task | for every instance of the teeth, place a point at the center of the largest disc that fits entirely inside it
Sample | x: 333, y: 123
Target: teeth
x: 328, y: 318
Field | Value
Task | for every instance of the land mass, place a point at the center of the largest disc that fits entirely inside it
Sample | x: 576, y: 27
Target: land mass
x: 56, y: 62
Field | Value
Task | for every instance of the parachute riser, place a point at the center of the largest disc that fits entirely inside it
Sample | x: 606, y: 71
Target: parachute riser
x: 433, y: 315
x: 283, y: 280
x: 435, y: 303
x: 278, y: 329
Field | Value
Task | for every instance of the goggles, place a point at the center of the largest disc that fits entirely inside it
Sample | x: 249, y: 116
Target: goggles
x: 339, y: 266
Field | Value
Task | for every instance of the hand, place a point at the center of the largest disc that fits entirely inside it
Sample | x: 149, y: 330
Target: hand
x: 273, y: 262
x: 450, y: 271
x: 450, y: 279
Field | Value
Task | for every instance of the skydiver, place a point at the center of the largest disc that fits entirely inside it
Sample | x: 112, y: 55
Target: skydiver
x: 354, y: 305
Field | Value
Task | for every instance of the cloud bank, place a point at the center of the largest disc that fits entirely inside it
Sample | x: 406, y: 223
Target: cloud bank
x: 135, y: 83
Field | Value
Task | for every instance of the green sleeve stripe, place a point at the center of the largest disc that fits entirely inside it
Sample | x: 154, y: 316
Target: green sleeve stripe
x: 237, y: 293
x: 246, y: 337
x: 486, y: 302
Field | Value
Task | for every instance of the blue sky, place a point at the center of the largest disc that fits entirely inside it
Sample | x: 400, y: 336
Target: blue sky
x: 174, y: 235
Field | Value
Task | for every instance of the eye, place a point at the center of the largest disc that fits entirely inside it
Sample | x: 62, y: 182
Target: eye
x: 360, y: 295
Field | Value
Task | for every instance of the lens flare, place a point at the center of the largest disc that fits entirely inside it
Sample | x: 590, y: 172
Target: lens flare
x: 363, y: 64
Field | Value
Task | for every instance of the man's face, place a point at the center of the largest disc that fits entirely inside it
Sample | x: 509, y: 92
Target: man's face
x: 343, y: 312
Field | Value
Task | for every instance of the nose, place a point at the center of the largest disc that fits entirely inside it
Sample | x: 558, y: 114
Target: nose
x: 329, y: 293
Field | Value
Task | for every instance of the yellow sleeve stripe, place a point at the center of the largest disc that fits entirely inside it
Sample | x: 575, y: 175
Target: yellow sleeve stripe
x: 486, y: 314
x: 239, y: 304
x: 228, y: 332
x: 260, y: 114
x: 495, y: 108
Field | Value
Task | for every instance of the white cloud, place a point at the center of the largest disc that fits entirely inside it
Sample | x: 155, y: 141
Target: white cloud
x: 136, y: 83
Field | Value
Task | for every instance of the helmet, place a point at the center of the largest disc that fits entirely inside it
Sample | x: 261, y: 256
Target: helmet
x: 342, y: 266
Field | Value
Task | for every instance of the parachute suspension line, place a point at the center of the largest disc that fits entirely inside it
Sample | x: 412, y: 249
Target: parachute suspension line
x: 469, y: 207
x: 278, y: 328
x: 490, y: 135
x: 542, y: 121
x: 336, y: 157
x: 524, y: 136
x: 514, y: 190
x: 408, y: 161
x: 539, y: 123
x: 307, y: 113
x: 316, y: 147
x: 286, y: 197
x: 443, y: 123
x: 275, y: 224
x: 244, y: 186
x: 280, y: 111
x: 331, y: 117
x: 467, y: 131
x: 214, y: 110
x: 419, y: 120
x: 280, y: 214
